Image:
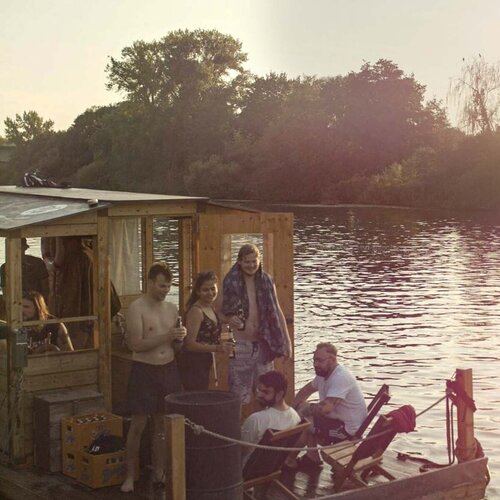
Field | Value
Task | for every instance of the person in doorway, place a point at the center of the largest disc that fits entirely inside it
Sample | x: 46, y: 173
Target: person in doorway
x: 276, y: 415
x: 35, y: 276
x: 203, y: 334
x: 151, y: 330
x: 339, y: 413
x: 250, y: 306
x: 43, y: 338
x: 73, y: 291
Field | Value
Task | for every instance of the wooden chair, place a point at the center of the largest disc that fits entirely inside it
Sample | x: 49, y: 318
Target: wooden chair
x: 357, y: 460
x: 380, y: 399
x: 263, y: 467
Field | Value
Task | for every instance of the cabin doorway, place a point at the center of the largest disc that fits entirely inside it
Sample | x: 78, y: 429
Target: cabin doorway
x: 220, y: 234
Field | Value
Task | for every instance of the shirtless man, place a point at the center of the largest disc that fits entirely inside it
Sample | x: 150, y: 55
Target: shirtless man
x: 250, y: 306
x: 150, y: 333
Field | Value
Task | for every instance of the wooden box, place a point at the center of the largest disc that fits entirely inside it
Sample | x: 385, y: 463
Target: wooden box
x: 77, y: 434
x: 48, y: 411
x: 102, y: 470
x: 79, y: 431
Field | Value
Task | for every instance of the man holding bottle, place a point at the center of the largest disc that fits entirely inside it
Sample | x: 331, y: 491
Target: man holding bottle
x: 250, y: 306
x: 151, y: 335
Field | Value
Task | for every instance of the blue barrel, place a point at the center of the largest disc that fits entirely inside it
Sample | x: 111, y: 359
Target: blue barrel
x: 213, y: 466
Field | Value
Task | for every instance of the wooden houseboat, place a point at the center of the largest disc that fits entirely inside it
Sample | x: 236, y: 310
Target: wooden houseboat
x: 127, y: 232
x: 192, y: 233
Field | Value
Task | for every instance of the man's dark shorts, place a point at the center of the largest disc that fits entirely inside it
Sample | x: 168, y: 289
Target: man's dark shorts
x: 149, y: 384
x: 329, y: 430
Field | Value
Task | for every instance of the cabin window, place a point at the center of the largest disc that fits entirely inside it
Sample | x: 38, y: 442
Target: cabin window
x: 166, y: 247
x: 233, y: 243
x: 58, y: 293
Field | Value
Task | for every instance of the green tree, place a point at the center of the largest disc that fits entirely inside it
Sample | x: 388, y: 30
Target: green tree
x: 26, y: 127
x: 181, y: 66
x: 379, y: 115
x: 264, y: 102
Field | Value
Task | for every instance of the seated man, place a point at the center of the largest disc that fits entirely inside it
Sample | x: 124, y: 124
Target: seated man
x: 340, y: 411
x: 276, y: 415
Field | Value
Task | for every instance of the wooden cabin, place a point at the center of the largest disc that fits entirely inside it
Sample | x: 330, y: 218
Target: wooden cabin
x: 128, y: 232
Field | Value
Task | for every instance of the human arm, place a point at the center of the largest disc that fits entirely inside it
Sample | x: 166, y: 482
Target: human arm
x: 59, y: 253
x: 231, y: 319
x: 322, y: 408
x: 63, y: 340
x: 302, y: 396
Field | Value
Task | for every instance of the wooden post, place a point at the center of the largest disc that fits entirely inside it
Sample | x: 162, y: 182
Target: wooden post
x: 175, y: 457
x: 102, y: 285
x: 15, y: 371
x: 185, y: 260
x: 465, y: 418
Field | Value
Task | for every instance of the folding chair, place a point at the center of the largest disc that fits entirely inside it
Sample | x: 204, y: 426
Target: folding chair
x: 263, y: 467
x: 380, y: 399
x: 358, y: 460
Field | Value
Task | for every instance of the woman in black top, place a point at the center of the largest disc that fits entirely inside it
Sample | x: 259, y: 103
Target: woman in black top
x: 43, y: 338
x: 203, y: 333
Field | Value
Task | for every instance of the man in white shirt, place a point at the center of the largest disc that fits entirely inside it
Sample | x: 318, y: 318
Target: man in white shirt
x: 276, y: 415
x: 340, y: 411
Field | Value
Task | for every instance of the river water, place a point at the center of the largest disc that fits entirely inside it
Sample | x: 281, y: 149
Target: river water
x: 407, y: 296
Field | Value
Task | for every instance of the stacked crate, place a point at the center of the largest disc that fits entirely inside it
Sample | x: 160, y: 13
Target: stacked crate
x: 78, y: 433
x: 48, y: 411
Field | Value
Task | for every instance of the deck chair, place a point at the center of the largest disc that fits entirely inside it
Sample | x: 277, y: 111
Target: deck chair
x: 357, y: 460
x: 263, y: 467
x: 380, y: 399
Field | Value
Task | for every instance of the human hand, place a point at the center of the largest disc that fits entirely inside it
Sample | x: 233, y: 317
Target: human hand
x: 225, y: 347
x: 179, y: 333
x: 235, y: 322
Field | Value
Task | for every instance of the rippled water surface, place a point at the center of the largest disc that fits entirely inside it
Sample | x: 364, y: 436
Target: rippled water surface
x: 407, y: 296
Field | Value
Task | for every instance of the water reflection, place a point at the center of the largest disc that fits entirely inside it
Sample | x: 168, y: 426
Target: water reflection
x: 408, y: 296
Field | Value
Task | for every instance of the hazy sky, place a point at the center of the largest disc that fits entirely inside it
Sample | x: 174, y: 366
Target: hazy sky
x: 53, y: 52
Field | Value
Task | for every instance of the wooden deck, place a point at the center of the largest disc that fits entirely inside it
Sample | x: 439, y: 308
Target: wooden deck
x: 30, y: 484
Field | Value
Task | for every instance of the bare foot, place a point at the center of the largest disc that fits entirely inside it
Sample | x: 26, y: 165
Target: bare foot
x: 128, y: 485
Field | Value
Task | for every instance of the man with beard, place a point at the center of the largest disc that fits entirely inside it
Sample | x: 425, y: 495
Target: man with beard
x: 276, y: 415
x: 339, y: 413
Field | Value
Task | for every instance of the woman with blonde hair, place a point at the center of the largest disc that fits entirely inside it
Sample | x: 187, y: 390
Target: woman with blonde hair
x: 43, y: 338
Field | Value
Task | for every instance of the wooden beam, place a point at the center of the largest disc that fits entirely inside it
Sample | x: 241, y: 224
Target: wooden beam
x: 101, y: 261
x: 175, y: 457
x: 465, y: 418
x: 15, y: 369
x: 147, y: 249
x: 148, y: 209
x: 59, y: 230
x: 72, y: 319
x: 185, y: 259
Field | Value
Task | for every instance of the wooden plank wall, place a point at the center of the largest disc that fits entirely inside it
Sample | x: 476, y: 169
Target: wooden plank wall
x: 52, y: 372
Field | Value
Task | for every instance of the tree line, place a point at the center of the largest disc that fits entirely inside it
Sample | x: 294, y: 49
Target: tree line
x: 194, y: 121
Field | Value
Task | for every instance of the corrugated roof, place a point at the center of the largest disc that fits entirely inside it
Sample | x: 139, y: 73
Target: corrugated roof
x: 90, y: 194
x: 24, y: 206
x: 20, y: 211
